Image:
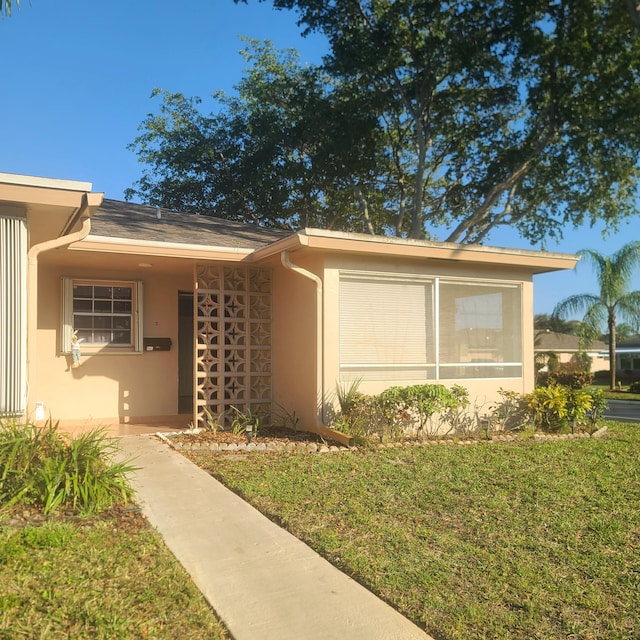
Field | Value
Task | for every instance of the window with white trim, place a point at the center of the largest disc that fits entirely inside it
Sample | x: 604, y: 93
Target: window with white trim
x: 480, y: 330
x: 106, y: 315
x: 386, y: 327
x: 404, y: 327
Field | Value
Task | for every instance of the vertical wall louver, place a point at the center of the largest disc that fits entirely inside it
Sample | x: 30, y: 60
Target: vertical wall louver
x: 13, y: 316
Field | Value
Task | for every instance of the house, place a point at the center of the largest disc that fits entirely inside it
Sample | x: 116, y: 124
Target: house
x: 628, y: 359
x: 567, y: 347
x: 178, y: 316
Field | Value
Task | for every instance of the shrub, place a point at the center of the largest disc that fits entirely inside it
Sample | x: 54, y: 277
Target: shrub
x: 634, y: 387
x: 426, y: 410
x: 598, y: 405
x: 39, y: 466
x: 568, y: 374
x: 602, y: 377
x: 362, y: 419
x: 558, y: 408
x: 431, y: 408
x: 511, y: 413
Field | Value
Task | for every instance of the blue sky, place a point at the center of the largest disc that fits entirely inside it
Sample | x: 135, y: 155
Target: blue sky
x: 77, y: 77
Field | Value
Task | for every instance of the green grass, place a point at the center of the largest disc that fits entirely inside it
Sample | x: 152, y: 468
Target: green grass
x: 518, y: 540
x: 624, y: 394
x: 96, y: 578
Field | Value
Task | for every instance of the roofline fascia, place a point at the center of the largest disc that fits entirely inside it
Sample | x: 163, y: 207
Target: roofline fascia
x: 48, y: 183
x: 534, y: 261
x: 45, y: 195
x: 290, y: 243
x: 107, y: 244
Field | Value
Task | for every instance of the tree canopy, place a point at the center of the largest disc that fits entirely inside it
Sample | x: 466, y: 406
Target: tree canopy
x: 424, y: 117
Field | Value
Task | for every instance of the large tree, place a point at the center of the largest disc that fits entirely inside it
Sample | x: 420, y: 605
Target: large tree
x: 288, y: 150
x: 614, y: 301
x: 469, y: 115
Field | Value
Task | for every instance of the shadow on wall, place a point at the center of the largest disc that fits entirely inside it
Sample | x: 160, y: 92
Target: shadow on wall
x: 137, y: 394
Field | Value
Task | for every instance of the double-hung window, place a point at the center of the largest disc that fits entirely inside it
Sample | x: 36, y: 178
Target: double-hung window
x: 105, y: 315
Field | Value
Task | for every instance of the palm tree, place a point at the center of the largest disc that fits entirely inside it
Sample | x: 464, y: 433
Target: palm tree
x: 614, y: 275
x: 6, y: 6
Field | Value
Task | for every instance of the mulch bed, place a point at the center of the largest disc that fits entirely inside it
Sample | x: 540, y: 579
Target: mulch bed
x: 266, y: 435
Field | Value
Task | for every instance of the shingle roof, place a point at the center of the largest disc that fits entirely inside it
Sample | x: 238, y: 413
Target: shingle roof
x: 125, y: 220
x: 553, y: 341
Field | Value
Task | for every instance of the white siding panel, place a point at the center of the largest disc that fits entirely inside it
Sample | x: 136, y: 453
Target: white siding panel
x: 13, y: 316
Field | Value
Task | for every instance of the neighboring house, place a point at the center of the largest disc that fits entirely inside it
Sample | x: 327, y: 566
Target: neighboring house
x: 628, y: 359
x: 179, y: 315
x: 567, y: 347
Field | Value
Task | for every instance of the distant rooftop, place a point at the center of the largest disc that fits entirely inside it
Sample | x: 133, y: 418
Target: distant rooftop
x: 553, y: 341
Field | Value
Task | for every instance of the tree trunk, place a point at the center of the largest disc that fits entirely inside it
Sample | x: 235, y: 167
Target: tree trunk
x: 612, y: 347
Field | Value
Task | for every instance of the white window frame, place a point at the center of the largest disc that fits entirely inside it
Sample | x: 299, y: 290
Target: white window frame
x: 106, y: 348
x: 387, y: 366
x: 431, y: 368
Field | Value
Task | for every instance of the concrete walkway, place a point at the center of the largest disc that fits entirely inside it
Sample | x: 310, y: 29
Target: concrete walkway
x: 262, y: 582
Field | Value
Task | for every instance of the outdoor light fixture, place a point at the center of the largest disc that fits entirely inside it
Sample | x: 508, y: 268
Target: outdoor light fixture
x: 249, y: 431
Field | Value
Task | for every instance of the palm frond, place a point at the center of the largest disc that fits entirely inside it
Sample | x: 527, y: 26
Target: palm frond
x: 575, y: 304
x: 6, y: 6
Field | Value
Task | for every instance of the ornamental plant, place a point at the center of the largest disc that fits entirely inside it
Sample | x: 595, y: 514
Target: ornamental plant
x: 39, y: 466
x: 558, y: 408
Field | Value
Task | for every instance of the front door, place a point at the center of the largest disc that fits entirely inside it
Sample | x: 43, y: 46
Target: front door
x: 185, y: 352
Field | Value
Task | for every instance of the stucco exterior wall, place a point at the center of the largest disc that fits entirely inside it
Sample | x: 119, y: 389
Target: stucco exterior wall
x: 295, y: 348
x: 108, y: 388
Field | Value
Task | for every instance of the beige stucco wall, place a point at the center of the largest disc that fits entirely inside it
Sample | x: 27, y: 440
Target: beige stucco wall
x: 109, y: 388
x: 295, y: 348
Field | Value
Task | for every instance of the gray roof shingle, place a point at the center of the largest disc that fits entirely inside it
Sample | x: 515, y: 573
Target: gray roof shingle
x: 128, y: 221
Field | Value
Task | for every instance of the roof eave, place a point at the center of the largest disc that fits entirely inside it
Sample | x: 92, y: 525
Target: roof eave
x: 535, y: 262
x: 105, y: 244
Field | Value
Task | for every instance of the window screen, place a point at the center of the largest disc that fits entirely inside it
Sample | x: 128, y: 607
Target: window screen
x: 386, y: 328
x: 389, y: 328
x: 479, y: 330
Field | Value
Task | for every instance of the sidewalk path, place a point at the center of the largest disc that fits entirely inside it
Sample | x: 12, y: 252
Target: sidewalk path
x: 262, y: 582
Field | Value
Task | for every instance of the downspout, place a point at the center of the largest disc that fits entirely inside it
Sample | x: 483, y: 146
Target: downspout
x: 32, y: 289
x: 320, y: 428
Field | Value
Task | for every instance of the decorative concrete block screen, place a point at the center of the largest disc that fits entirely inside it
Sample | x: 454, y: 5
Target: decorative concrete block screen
x: 233, y: 359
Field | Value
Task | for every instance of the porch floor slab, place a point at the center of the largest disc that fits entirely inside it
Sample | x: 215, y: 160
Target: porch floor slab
x: 263, y: 583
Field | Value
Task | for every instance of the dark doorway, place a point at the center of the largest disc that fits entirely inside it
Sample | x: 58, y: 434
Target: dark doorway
x: 185, y: 352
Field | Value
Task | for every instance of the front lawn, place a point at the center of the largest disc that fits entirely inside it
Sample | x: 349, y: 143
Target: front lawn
x: 103, y: 577
x: 511, y: 540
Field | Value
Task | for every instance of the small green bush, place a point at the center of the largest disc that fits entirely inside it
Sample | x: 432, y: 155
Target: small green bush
x: 434, y: 407
x: 559, y: 408
x: 511, y: 413
x: 566, y: 376
x: 427, y: 410
x: 41, y: 467
x: 634, y: 387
